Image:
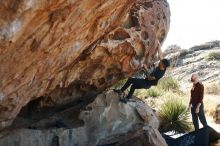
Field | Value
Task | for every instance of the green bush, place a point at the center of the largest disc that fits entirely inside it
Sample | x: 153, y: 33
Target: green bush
x: 168, y: 83
x: 213, y: 56
x: 152, y: 92
x: 174, y: 117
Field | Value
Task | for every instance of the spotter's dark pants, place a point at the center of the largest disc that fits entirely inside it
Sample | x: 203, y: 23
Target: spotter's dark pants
x: 135, y: 84
x: 200, y: 116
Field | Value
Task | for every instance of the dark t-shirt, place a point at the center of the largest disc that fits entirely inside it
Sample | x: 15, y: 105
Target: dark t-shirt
x: 157, y: 73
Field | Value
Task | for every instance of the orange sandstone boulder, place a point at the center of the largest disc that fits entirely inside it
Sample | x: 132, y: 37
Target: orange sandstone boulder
x: 51, y: 46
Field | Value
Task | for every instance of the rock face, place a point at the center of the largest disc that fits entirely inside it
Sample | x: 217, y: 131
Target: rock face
x: 72, y: 47
x: 193, y: 60
x: 106, y: 121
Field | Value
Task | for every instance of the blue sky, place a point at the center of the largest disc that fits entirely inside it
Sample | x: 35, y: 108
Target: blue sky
x: 193, y: 22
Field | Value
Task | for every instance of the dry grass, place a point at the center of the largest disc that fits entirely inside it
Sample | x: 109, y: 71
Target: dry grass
x: 210, y: 103
x: 168, y: 84
x: 211, y: 98
x: 212, y: 88
x: 156, y: 103
x: 145, y: 93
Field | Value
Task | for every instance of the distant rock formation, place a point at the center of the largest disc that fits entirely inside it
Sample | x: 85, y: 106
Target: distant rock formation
x: 106, y: 121
x: 194, y: 60
x: 63, y: 50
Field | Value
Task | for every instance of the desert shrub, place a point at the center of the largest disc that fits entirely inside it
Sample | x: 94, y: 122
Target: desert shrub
x: 168, y: 83
x: 213, y: 56
x: 152, y: 92
x: 174, y: 116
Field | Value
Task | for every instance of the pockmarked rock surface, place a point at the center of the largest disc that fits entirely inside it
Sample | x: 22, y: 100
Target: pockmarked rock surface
x: 50, y: 46
x: 106, y: 121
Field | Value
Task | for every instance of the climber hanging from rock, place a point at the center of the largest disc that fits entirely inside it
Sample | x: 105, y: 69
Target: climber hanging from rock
x: 149, y: 81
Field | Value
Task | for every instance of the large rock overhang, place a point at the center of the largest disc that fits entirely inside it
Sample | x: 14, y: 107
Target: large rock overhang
x: 50, y: 46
